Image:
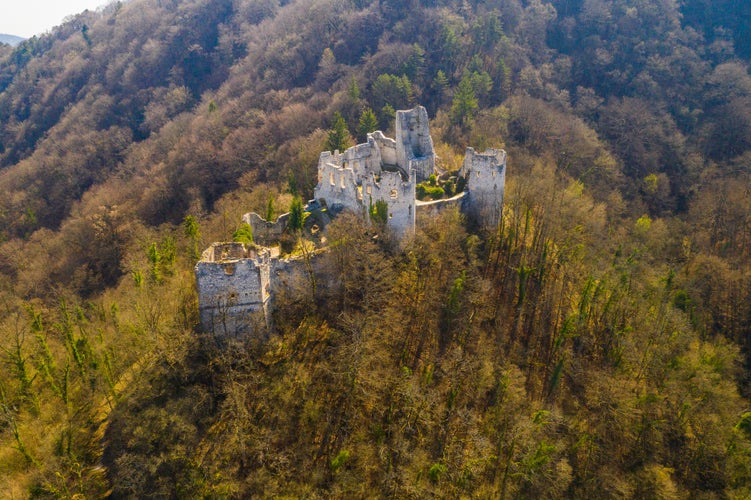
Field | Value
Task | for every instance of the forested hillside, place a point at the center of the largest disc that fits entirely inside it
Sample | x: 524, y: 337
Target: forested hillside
x: 597, y: 343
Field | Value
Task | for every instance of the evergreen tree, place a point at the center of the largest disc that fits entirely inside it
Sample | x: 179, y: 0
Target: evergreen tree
x: 354, y: 90
x: 368, y: 123
x: 296, y: 215
x: 465, y: 103
x: 339, y: 138
x: 192, y: 231
x: 270, y: 209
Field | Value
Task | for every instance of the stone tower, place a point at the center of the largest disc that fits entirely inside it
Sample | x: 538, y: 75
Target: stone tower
x: 233, y: 282
x: 485, y: 174
x: 414, y: 146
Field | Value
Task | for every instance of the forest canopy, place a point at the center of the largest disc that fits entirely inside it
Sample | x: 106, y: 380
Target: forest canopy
x: 597, y: 343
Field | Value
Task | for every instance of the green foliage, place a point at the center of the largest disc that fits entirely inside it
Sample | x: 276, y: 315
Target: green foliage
x: 354, y: 90
x: 161, y: 258
x: 155, y: 258
x: 243, y: 234
x: 436, y: 471
x: 85, y: 35
x: 744, y: 423
x: 473, y: 88
x: 379, y: 212
x: 390, y: 92
x: 192, y: 231
x: 650, y: 183
x: 340, y: 459
x: 643, y: 224
x: 338, y: 137
x: 368, y: 123
x: 427, y: 191
x: 296, y: 215
x: 415, y: 64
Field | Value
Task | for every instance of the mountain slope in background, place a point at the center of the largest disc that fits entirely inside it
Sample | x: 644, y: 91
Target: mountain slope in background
x: 11, y: 40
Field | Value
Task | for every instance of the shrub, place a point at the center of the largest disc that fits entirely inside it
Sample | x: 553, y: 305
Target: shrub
x: 244, y: 234
x: 340, y: 459
x: 426, y: 191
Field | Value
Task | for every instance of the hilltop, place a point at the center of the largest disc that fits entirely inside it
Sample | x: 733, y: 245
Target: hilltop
x: 593, y: 343
x: 11, y: 40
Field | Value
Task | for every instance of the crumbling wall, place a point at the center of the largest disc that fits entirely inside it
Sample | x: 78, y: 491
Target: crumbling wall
x: 399, y: 195
x: 337, y: 184
x: 486, y: 178
x: 360, y: 159
x: 233, y: 283
x: 434, y: 207
x: 386, y: 149
x: 265, y: 232
x: 413, y: 142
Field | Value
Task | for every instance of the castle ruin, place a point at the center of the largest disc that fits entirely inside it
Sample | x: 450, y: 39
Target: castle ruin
x: 382, y: 169
x: 235, y: 282
x: 234, y: 287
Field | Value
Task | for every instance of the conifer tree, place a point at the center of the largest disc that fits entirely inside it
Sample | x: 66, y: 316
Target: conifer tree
x: 339, y: 138
x: 368, y: 123
x: 465, y: 103
x: 296, y: 214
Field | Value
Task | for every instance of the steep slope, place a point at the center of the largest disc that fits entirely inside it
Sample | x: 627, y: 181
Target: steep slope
x: 596, y: 343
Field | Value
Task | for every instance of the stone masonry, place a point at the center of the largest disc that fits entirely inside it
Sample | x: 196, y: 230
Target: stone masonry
x: 233, y: 282
x: 382, y: 169
x: 236, y: 282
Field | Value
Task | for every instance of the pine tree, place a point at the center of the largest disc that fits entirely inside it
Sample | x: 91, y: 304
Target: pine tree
x: 192, y: 232
x: 339, y: 138
x: 354, y: 90
x: 368, y: 123
x: 465, y: 103
x: 243, y: 234
x: 296, y: 214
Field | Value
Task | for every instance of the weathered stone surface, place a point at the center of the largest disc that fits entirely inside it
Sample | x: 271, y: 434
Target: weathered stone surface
x: 233, y: 282
x: 486, y: 179
x: 382, y: 169
x: 265, y: 232
x: 414, y: 146
x: 435, y: 207
x: 236, y: 283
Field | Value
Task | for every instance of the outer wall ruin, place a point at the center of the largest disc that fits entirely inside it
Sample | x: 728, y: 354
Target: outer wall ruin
x: 234, y: 287
x: 486, y: 179
x: 236, y: 282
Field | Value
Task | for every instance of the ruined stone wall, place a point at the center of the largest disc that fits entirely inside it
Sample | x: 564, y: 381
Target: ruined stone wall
x: 486, y: 178
x: 386, y: 149
x: 422, y: 167
x: 361, y: 159
x: 265, y: 232
x: 233, y: 282
x: 337, y: 185
x: 399, y: 195
x: 413, y: 142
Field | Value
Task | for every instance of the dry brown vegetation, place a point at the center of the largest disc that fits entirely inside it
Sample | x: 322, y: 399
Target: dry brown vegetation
x: 596, y: 344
